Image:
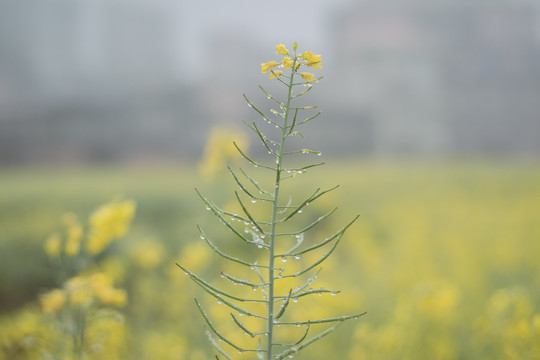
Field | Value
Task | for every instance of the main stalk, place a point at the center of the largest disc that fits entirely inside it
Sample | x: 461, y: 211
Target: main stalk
x: 275, y: 204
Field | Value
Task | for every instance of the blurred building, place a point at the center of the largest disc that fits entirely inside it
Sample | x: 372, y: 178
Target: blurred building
x: 92, y: 81
x: 121, y: 81
x: 438, y: 78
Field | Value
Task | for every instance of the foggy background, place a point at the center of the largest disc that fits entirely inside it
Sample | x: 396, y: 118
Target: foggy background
x: 145, y: 80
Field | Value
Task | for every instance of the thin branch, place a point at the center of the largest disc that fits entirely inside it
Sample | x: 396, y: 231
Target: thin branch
x: 224, y: 255
x: 218, y: 293
x: 254, y: 163
x: 246, y: 211
x: 326, y: 241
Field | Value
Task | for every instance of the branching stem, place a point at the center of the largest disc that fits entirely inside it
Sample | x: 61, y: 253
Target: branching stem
x: 275, y: 205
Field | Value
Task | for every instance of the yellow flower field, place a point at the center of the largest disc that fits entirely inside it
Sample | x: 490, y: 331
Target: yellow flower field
x: 444, y: 259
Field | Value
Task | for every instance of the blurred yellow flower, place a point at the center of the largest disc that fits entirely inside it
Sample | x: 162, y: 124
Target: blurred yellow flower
x: 275, y: 73
x: 287, y: 62
x: 281, y: 49
x: 112, y: 296
x: 53, y: 245
x: 110, y: 221
x: 79, y: 290
x: 268, y: 65
x: 53, y: 300
x: 219, y: 150
x: 100, y: 281
x: 294, y: 45
x: 73, y: 242
x: 307, y: 76
x: 83, y: 290
x: 148, y: 254
x: 195, y: 256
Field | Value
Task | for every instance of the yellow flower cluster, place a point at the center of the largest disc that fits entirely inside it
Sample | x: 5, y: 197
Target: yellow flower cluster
x: 307, y: 58
x: 109, y: 222
x: 82, y: 292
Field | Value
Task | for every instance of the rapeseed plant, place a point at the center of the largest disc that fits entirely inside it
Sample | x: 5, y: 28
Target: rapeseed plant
x: 81, y: 308
x: 264, y: 325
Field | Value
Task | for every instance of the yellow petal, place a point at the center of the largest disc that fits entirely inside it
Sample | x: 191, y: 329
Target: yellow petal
x: 307, y: 76
x: 287, y: 62
x: 267, y: 66
x: 275, y: 74
x: 281, y: 49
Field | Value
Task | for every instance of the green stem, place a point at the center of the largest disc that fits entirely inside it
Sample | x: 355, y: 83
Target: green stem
x: 78, y: 337
x: 271, y: 256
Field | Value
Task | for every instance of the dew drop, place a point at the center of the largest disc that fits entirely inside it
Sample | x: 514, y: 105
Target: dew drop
x: 298, y: 236
x: 297, y: 257
x: 220, y: 302
x: 240, y: 314
x: 185, y: 273
x: 268, y: 97
x: 319, y: 154
x: 208, y: 208
x: 250, y: 105
x: 260, y: 246
x: 333, y: 293
x: 299, y: 211
x: 202, y: 237
x: 295, y: 300
x: 263, y: 236
x: 320, y: 294
x: 284, y: 259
